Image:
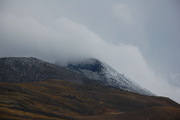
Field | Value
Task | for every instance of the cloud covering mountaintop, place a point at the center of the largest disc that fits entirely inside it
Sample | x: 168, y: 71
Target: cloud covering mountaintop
x: 118, y: 33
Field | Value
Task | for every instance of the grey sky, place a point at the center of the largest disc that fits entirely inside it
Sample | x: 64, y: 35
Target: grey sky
x: 139, y: 38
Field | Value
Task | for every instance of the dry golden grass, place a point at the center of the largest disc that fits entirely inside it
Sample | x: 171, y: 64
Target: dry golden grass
x: 7, y: 113
x: 57, y: 99
x: 154, y: 113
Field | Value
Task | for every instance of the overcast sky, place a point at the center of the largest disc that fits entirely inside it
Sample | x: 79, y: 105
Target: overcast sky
x: 139, y: 38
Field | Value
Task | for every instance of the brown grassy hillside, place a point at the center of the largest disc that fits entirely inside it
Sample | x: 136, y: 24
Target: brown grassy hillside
x: 56, y: 100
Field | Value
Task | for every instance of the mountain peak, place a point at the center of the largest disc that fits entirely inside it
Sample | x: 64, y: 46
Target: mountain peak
x: 29, y: 69
x: 88, y: 64
x: 95, y: 69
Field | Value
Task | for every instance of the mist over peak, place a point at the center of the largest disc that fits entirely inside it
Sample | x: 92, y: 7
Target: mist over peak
x: 139, y: 39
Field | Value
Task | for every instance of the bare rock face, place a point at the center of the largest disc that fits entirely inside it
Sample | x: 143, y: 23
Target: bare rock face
x: 28, y: 69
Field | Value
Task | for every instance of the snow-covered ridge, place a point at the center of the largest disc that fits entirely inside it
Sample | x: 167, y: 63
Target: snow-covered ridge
x: 95, y: 69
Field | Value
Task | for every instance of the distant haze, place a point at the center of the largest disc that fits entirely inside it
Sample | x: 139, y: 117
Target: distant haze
x: 139, y: 38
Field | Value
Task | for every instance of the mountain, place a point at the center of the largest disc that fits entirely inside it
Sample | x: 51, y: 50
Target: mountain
x: 29, y: 69
x: 97, y: 70
x: 33, y: 89
x: 91, y: 71
x: 63, y: 100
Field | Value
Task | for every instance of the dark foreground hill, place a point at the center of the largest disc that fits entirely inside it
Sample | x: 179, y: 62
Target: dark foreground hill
x: 59, y: 100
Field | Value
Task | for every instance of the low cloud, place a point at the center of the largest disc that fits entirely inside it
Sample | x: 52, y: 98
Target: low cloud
x: 25, y: 36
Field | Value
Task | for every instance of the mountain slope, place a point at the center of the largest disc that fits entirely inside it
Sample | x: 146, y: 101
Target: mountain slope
x: 24, y: 98
x: 28, y: 69
x: 98, y: 70
x: 62, y: 100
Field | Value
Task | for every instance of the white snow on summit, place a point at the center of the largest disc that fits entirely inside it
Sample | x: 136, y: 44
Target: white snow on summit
x: 95, y: 69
